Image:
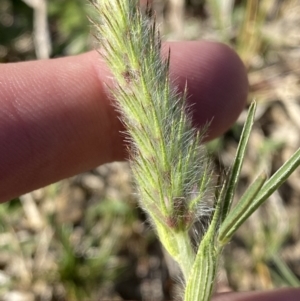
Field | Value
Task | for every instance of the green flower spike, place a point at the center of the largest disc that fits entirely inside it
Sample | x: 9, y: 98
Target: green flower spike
x: 171, y: 178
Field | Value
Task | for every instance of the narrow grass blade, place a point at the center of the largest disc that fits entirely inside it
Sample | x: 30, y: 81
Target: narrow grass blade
x: 279, y: 177
x: 236, y: 217
x: 238, y: 161
x: 266, y: 190
x: 291, y: 279
x: 275, y: 181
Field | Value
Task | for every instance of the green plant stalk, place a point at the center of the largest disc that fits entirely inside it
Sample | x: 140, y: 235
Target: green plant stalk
x: 201, y: 281
x: 170, y: 167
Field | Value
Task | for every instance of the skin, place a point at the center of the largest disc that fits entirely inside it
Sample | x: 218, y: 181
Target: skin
x: 57, y: 120
x: 275, y: 295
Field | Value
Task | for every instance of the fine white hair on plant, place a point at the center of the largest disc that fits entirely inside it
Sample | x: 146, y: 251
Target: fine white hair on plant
x: 170, y: 167
x: 169, y: 164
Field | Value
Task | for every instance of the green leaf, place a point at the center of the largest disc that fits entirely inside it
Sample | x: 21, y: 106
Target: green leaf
x: 239, y: 213
x: 248, y: 205
x: 285, y: 272
x: 238, y: 161
x: 275, y: 181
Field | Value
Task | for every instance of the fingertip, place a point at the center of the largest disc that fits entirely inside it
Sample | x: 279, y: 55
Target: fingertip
x: 217, y: 87
x: 216, y: 79
x: 286, y: 294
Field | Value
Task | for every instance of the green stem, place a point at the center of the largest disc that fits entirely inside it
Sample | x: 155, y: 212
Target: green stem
x: 186, y: 254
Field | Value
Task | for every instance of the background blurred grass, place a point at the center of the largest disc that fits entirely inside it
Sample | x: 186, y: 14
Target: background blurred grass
x: 84, y: 238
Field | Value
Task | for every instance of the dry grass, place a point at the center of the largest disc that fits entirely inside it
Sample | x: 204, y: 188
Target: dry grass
x: 85, y: 238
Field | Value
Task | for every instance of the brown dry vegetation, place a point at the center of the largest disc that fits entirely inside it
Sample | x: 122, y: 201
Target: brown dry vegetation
x: 85, y: 238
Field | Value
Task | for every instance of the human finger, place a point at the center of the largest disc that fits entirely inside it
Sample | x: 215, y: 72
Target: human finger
x: 57, y: 119
x: 290, y: 294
